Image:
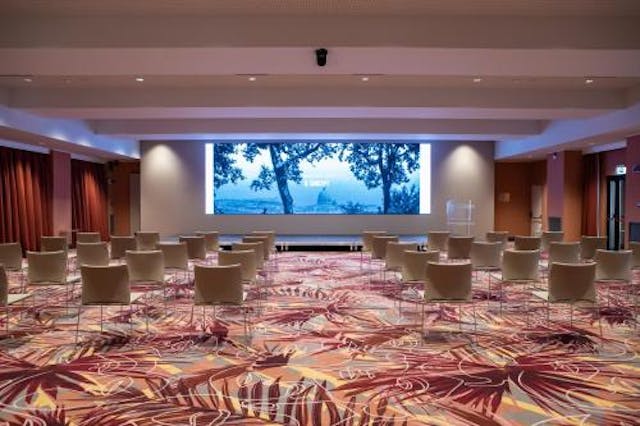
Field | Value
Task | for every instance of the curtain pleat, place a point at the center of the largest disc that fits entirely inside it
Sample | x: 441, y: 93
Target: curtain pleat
x: 25, y: 197
x: 89, y: 203
x: 590, y: 194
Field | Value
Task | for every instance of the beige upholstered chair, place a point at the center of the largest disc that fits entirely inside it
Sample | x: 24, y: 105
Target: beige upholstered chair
x: 549, y: 237
x: 105, y: 285
x: 527, y: 242
x: 459, y: 247
x: 258, y: 249
x: 95, y: 254
x: 145, y: 265
x: 264, y: 239
x: 561, y: 252
x: 8, y: 299
x: 196, y: 246
x: 613, y: 265
x: 175, y: 255
x: 448, y: 283
x: 51, y: 243
x: 487, y: 257
x: 395, y: 251
x: 211, y: 239
x: 219, y: 285
x: 11, y: 256
x: 572, y: 284
x: 379, y: 245
x: 437, y: 240
x: 520, y: 265
x: 120, y: 245
x: 245, y: 258
x: 498, y: 237
x: 367, y: 239
x: 147, y: 240
x: 414, y: 265
x: 88, y: 237
x: 272, y: 239
x: 635, y: 254
x: 48, y: 267
x: 590, y: 244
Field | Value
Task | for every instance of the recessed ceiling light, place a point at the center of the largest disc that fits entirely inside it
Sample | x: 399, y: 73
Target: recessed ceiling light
x: 477, y: 80
x: 139, y: 79
x: 589, y: 81
x: 252, y: 78
x: 28, y: 79
x: 365, y: 78
x: 67, y: 80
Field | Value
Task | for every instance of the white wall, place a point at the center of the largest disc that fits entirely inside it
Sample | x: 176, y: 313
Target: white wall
x: 172, y: 194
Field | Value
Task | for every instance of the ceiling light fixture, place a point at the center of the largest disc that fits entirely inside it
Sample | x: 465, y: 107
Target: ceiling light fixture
x: 139, y: 79
x: 252, y: 78
x: 365, y: 78
x: 477, y: 80
x: 589, y: 81
x: 28, y: 79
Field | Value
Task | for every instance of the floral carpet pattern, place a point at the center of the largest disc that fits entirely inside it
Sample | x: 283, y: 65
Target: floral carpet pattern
x: 330, y: 343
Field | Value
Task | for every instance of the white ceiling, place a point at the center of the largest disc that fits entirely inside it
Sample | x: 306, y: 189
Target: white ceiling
x: 535, y: 75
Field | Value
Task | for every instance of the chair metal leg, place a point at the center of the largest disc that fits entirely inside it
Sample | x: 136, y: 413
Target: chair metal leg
x: 6, y: 307
x: 78, y: 322
x: 422, y: 325
x: 101, y: 318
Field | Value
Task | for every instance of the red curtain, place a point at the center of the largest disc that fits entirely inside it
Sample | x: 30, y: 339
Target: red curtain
x: 89, y: 198
x: 590, y: 207
x: 25, y: 197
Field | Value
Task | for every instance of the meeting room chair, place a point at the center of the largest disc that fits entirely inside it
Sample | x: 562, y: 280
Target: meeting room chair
x: 414, y: 269
x: 176, y: 257
x: 498, y: 237
x: 571, y: 284
x: 120, y: 244
x: 519, y: 267
x: 11, y: 258
x: 549, y: 237
x: 95, y: 254
x: 145, y: 266
x: 106, y: 286
x: 257, y: 247
x: 245, y: 258
x: 220, y: 285
x: 527, y: 242
x: 211, y: 239
x: 88, y: 237
x: 448, y: 283
x: 394, y: 257
x: 196, y: 246
x: 437, y: 240
x: 613, y: 267
x: 147, y: 240
x: 53, y: 243
x: 459, y: 247
x: 635, y: 254
x: 264, y: 239
x: 367, y: 244
x: 486, y: 257
x: 589, y: 244
x: 564, y: 252
x: 7, y: 299
x: 47, y: 267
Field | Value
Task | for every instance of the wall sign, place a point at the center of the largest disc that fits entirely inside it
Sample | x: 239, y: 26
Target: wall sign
x: 621, y: 169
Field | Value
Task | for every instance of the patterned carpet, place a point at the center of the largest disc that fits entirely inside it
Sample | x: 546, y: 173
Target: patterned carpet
x: 327, y: 346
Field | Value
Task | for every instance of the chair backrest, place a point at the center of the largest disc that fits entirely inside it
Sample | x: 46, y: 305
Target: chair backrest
x: 147, y: 240
x: 11, y: 256
x: 175, y: 255
x: 120, y: 244
x: 257, y: 247
x: 216, y: 285
x: 211, y: 239
x: 47, y: 267
x: 145, y: 265
x: 379, y: 245
x: 447, y: 281
x: 245, y: 258
x: 94, y: 254
x: 272, y: 238
x: 52, y: 243
x: 613, y: 265
x: 437, y: 240
x: 264, y: 239
x: 105, y: 285
x: 526, y: 242
x: 196, y: 246
x: 549, y: 237
x: 589, y: 244
x: 486, y: 254
x: 572, y: 282
x: 414, y: 264
x: 635, y: 254
x: 87, y: 237
x: 459, y: 247
x: 498, y: 237
x: 367, y: 239
x: 520, y: 265
x: 564, y: 252
x: 394, y: 256
x: 4, y: 286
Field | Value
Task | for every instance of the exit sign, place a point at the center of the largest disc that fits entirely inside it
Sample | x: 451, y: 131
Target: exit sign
x: 621, y: 169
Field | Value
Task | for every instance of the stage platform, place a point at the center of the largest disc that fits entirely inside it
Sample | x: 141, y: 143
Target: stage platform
x: 351, y: 242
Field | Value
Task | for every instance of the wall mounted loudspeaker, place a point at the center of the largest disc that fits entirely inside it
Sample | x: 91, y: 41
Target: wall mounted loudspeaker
x: 321, y: 57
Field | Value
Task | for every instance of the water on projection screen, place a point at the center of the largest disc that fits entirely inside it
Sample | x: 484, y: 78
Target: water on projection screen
x: 317, y: 178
